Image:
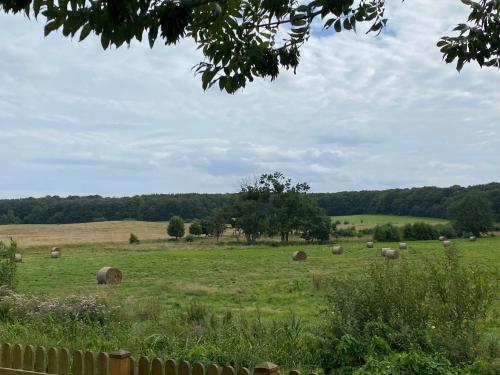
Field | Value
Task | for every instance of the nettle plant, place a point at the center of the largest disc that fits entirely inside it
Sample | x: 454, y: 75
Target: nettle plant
x: 245, y: 39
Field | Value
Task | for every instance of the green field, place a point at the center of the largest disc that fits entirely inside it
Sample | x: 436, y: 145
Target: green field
x: 368, y: 221
x: 241, y: 279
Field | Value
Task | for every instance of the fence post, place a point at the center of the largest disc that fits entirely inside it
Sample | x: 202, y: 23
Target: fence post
x: 119, y: 362
x: 266, y: 368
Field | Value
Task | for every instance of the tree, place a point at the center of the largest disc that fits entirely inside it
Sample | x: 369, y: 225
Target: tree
x: 241, y: 39
x: 176, y: 227
x: 8, y: 264
x: 317, y: 227
x: 195, y: 228
x: 472, y: 214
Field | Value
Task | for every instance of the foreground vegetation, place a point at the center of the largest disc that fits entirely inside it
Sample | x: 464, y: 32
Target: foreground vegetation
x: 231, y: 303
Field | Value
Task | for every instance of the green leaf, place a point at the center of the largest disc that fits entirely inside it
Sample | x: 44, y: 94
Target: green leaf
x: 85, y: 31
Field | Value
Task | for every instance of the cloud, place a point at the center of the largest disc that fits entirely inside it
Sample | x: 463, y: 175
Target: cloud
x: 361, y: 113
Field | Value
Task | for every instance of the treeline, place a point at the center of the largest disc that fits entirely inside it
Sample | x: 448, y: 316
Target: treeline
x: 426, y: 201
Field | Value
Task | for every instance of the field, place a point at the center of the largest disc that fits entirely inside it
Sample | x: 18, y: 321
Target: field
x: 369, y: 221
x: 226, y: 276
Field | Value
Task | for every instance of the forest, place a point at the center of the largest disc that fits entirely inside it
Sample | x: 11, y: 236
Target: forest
x: 424, y: 201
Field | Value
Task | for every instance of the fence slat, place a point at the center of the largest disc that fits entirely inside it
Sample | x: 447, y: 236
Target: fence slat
x: 294, y: 372
x: 17, y: 357
x: 198, y: 369
x: 133, y: 364
x: 78, y: 362
x: 89, y: 363
x: 157, y: 367
x: 243, y: 371
x: 53, y: 359
x: 170, y: 367
x: 40, y: 359
x: 103, y: 364
x: 144, y: 366
x: 184, y: 368
x: 29, y: 356
x: 6, y: 355
x: 213, y: 369
x: 228, y: 370
x: 63, y: 368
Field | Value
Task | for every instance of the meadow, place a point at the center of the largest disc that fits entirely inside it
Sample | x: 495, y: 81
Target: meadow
x: 369, y: 221
x: 177, y: 297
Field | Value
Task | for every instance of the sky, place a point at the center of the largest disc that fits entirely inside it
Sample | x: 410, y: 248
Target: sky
x: 362, y: 113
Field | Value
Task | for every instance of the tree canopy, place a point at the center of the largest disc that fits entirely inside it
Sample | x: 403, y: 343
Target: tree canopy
x: 247, y: 39
x: 472, y: 214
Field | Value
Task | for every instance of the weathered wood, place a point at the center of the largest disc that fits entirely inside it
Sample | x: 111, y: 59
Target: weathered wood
x: 170, y: 367
x: 9, y: 371
x: 40, y: 359
x: 144, y: 366
x: 103, y: 364
x: 89, y: 363
x: 243, y: 371
x: 133, y: 363
x: 53, y: 361
x: 17, y: 357
x: 78, y: 362
x: 63, y: 368
x: 198, y: 369
x: 28, y: 358
x: 184, y: 368
x: 266, y: 368
x: 157, y: 367
x: 228, y: 370
x: 121, y: 363
x: 294, y: 372
x: 213, y: 369
x: 6, y: 355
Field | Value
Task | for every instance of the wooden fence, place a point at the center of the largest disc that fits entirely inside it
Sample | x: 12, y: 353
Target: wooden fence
x: 19, y: 360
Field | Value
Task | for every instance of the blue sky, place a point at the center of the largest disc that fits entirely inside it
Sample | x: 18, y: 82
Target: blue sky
x: 361, y: 113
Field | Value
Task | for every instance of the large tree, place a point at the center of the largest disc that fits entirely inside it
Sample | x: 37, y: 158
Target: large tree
x: 244, y: 39
x: 472, y: 214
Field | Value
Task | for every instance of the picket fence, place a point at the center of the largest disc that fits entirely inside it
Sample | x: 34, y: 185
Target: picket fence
x: 28, y: 360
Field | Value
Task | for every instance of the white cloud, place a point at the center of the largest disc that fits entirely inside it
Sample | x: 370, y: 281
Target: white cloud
x: 361, y: 113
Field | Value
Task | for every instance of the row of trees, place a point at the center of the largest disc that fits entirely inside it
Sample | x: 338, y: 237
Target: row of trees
x: 427, y: 201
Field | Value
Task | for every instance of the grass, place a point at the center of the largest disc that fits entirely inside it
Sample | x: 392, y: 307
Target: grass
x: 369, y: 221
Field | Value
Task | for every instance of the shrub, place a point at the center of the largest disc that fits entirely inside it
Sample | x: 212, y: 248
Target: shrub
x: 190, y: 238
x: 431, y: 307
x: 317, y: 228
x: 419, y: 232
x: 133, y: 239
x: 7, y: 264
x: 386, y: 233
x: 346, y: 232
x: 195, y: 228
x: 176, y: 227
x: 446, y: 230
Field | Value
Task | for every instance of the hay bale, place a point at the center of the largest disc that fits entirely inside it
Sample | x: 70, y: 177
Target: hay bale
x: 109, y: 275
x: 369, y: 245
x: 299, y: 255
x: 18, y: 258
x: 446, y: 243
x: 472, y: 238
x: 403, y: 245
x: 55, y: 254
x: 442, y: 238
x: 390, y: 253
x: 384, y: 250
x: 55, y: 248
x: 337, y: 250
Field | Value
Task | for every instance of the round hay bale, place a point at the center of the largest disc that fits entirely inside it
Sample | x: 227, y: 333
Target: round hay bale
x: 299, y: 255
x: 109, y: 275
x: 472, y: 238
x: 369, y: 245
x: 337, y: 250
x: 442, y: 238
x: 446, y: 243
x: 385, y: 250
x: 18, y: 258
x: 403, y: 245
x: 55, y: 254
x: 391, y: 254
x: 55, y: 248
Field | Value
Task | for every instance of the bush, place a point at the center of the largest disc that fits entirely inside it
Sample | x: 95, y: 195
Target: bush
x: 447, y: 230
x: 429, y: 309
x: 190, y: 238
x: 195, y: 228
x: 317, y: 228
x: 346, y: 232
x: 7, y: 264
x: 176, y: 227
x: 133, y: 239
x: 386, y: 233
x: 419, y: 232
